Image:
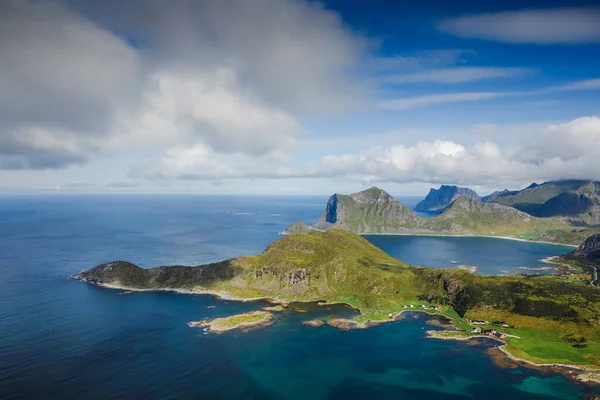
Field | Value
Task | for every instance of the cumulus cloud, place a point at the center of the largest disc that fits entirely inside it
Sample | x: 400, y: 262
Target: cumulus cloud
x: 551, y: 26
x: 209, y: 108
x: 61, y: 78
x: 227, y: 77
x: 558, y: 152
x: 200, y: 162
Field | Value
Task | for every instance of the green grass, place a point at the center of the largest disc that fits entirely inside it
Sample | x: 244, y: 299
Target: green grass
x: 235, y: 321
x: 547, y: 347
x: 340, y: 266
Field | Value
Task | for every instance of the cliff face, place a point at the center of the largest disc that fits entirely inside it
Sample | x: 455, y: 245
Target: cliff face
x: 375, y: 211
x: 370, y: 211
x: 437, y: 199
x: 589, y: 250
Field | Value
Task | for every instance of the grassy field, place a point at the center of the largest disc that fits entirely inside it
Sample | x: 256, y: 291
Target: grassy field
x: 241, y: 320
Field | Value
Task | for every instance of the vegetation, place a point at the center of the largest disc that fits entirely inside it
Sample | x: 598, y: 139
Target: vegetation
x: 547, y: 314
x: 375, y: 211
x: 576, y: 199
x: 236, y: 321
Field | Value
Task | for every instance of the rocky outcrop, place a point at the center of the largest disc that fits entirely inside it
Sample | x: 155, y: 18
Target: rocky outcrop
x: 438, y: 199
x: 297, y: 228
x: 370, y: 211
x: 589, y: 250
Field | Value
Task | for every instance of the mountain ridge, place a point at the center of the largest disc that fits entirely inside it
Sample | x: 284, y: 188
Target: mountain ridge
x: 374, y: 211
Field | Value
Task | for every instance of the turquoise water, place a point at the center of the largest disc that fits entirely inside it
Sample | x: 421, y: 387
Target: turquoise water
x: 63, y: 339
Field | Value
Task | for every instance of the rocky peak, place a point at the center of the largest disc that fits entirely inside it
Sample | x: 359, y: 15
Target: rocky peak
x: 372, y: 195
x: 437, y: 199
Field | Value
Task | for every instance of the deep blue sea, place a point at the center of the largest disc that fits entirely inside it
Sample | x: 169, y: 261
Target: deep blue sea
x: 62, y: 339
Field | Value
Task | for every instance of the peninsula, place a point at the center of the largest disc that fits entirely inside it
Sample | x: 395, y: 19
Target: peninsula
x: 545, y: 319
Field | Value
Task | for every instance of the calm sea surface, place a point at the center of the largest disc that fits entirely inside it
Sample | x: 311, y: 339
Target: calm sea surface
x: 61, y: 339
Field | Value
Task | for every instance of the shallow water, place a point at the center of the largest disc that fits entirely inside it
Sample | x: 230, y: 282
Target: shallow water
x: 64, y: 339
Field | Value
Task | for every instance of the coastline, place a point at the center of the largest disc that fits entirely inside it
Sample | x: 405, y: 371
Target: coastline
x: 587, y: 374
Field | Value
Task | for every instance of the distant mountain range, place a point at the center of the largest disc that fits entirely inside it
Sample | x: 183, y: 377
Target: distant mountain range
x: 579, y: 200
x: 374, y: 211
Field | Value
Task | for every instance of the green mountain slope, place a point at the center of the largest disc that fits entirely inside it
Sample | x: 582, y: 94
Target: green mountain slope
x: 579, y: 200
x: 374, y: 211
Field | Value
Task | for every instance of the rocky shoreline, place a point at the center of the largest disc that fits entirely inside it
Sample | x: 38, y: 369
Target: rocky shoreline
x: 240, y: 321
x: 589, y: 375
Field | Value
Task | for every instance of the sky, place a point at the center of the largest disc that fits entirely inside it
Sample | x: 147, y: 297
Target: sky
x: 296, y: 96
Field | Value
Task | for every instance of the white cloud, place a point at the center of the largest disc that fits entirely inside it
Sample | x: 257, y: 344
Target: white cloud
x: 209, y: 108
x: 422, y: 101
x: 421, y: 59
x: 587, y: 84
x: 201, y: 162
x: 427, y: 100
x: 560, y: 26
x: 292, y: 53
x: 457, y: 75
x: 230, y: 78
x: 61, y: 78
x: 558, y: 152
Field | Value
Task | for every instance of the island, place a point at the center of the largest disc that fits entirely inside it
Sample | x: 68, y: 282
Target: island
x: 545, y: 319
x: 374, y: 211
x: 240, y: 321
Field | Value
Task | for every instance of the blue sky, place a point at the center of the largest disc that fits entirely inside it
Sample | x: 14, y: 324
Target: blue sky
x: 296, y: 97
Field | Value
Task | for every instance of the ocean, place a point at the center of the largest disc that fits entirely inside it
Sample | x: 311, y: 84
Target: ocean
x: 62, y: 339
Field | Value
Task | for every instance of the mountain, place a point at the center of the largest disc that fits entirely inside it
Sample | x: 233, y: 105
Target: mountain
x: 437, y: 199
x: 370, y: 211
x: 375, y: 211
x: 319, y: 265
x: 577, y: 199
x: 340, y: 266
x: 588, y: 250
x: 296, y: 228
x: 496, y: 194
